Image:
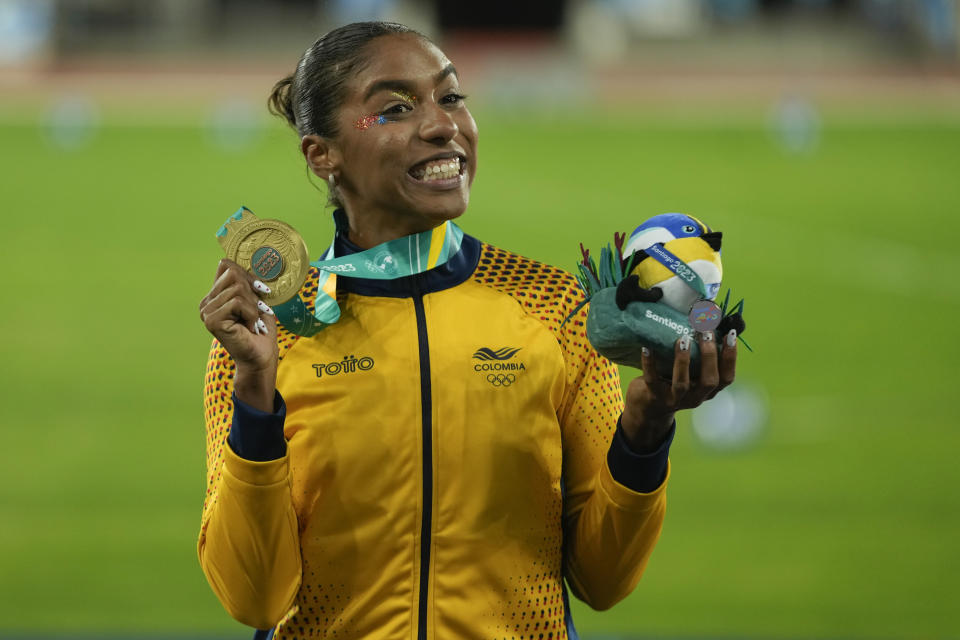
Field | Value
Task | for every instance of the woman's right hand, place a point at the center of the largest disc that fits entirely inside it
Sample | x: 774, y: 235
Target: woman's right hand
x: 247, y: 329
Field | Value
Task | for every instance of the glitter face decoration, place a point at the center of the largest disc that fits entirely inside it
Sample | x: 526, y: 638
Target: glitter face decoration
x: 403, y: 95
x: 366, y: 122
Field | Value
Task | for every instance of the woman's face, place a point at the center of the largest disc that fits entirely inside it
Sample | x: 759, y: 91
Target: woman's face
x: 406, y: 152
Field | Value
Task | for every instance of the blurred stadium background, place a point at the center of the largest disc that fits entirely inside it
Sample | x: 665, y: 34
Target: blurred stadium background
x: 818, y: 499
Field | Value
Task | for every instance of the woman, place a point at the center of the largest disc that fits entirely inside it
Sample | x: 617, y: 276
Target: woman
x: 477, y: 453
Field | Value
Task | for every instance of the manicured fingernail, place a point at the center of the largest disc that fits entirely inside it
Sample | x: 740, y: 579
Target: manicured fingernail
x: 259, y: 286
x: 262, y: 326
x: 732, y: 338
x: 256, y: 328
x: 263, y: 306
x: 708, y: 336
x: 684, y: 342
x: 645, y: 351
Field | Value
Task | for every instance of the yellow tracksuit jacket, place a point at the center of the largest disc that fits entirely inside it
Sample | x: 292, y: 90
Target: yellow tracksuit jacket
x: 445, y: 463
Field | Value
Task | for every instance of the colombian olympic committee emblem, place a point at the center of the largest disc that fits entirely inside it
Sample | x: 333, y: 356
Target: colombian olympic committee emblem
x: 501, y: 379
x: 499, y: 367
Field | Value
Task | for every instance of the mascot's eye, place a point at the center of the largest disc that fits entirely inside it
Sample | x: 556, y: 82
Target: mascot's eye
x: 689, y: 228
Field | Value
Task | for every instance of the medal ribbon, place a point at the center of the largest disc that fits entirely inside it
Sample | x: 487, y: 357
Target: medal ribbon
x: 391, y: 260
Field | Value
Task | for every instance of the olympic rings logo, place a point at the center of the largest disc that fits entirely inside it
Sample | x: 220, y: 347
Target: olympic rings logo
x: 501, y: 379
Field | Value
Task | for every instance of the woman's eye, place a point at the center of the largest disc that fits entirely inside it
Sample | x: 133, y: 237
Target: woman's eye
x: 397, y: 109
x: 453, y: 98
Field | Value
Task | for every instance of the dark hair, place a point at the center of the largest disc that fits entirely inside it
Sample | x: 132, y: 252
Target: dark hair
x: 309, y: 98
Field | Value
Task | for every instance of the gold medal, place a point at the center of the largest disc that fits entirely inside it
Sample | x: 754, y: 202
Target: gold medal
x: 271, y: 250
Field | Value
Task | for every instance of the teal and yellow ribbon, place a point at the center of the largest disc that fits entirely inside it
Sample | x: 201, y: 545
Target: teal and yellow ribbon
x: 391, y: 260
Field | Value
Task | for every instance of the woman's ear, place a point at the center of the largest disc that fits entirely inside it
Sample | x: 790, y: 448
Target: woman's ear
x: 321, y: 155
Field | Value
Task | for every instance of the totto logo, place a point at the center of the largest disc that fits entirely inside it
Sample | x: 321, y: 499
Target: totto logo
x: 349, y: 364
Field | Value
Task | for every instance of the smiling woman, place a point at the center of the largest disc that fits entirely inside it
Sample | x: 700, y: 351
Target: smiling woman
x: 449, y: 456
x: 401, y: 124
x: 400, y: 151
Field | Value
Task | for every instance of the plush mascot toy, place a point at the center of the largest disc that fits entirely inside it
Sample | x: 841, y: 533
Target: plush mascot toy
x: 656, y: 287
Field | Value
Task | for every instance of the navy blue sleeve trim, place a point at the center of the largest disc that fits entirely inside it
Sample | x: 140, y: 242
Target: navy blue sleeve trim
x: 257, y: 435
x: 642, y: 473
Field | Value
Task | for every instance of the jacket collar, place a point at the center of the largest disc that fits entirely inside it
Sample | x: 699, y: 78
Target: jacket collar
x: 451, y: 273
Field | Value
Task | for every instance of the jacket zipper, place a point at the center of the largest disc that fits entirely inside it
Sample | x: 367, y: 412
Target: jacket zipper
x: 426, y: 420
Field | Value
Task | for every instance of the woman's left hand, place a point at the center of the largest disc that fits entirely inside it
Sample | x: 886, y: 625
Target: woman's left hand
x: 652, y: 401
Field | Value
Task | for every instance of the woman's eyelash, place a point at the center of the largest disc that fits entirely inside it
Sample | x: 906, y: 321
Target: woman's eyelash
x: 397, y: 109
x: 403, y: 107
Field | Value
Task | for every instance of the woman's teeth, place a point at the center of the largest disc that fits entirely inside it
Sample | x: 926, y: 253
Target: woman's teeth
x: 438, y: 170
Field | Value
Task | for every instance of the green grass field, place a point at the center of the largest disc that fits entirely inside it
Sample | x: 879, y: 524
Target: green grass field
x: 842, y: 521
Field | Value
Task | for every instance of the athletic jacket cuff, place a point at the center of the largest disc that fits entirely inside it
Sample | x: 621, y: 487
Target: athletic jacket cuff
x: 257, y: 435
x: 640, y: 473
x: 240, y: 474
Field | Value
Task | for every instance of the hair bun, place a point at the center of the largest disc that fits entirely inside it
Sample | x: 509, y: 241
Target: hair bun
x: 280, y: 102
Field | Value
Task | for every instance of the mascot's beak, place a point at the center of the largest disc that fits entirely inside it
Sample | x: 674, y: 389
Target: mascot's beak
x: 713, y: 239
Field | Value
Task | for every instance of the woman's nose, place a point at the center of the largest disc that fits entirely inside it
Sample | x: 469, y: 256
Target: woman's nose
x: 438, y: 126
